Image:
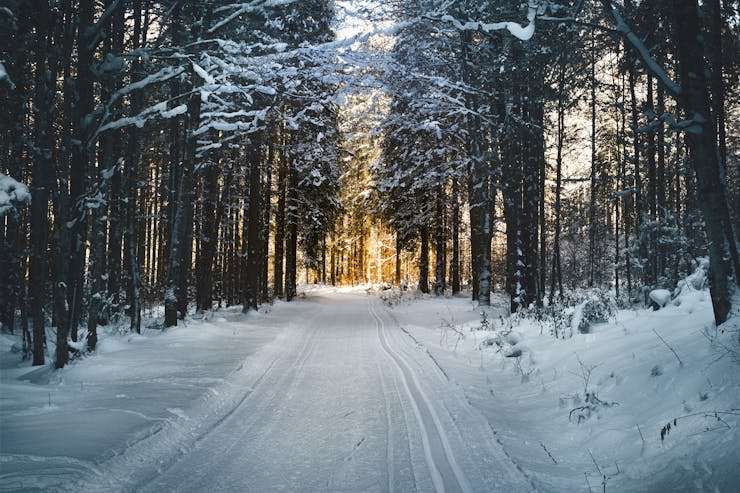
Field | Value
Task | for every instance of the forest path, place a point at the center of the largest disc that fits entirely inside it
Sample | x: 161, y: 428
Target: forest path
x: 350, y: 404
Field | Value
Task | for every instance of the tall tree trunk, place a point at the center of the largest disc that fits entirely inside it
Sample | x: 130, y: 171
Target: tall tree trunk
x: 132, y: 158
x: 455, y: 264
x: 252, y: 280
x: 424, y: 259
x: 440, y: 243
x: 398, y: 259
x: 332, y: 261
x: 291, y: 247
x: 176, y: 290
x: 635, y: 110
x: 213, y: 212
x: 702, y: 143
x: 115, y: 213
x: 660, y: 188
x: 265, y: 229
x: 650, y: 275
x: 80, y: 162
x: 592, y: 189
x: 41, y: 172
x: 560, y: 143
x: 718, y: 107
x: 280, y: 227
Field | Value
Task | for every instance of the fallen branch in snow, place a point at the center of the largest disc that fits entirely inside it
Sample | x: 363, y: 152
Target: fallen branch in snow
x: 642, y: 437
x: 680, y: 363
x: 424, y: 348
x: 548, y: 453
x: 604, y: 478
x: 593, y: 403
x: 717, y: 415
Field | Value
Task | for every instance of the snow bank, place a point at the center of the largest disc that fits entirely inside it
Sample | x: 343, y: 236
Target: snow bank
x: 660, y: 297
x: 648, y: 402
x: 136, y: 395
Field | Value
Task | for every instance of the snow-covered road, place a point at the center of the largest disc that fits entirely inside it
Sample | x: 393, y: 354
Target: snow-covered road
x: 347, y: 403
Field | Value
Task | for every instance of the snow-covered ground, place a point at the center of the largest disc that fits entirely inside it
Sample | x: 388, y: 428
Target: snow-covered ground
x: 56, y: 426
x: 341, y: 392
x: 636, y: 387
x: 324, y: 394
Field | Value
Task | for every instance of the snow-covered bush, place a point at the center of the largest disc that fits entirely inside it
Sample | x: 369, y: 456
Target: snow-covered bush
x: 696, y: 281
x: 597, y: 309
x: 395, y: 296
x: 12, y: 194
x: 577, y: 311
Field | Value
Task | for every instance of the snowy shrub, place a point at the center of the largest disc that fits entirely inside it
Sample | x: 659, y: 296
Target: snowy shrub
x: 696, y: 281
x: 591, y: 404
x: 656, y: 371
x: 578, y: 310
x: 450, y: 332
x: 12, y: 194
x: 596, y: 310
x: 396, y: 296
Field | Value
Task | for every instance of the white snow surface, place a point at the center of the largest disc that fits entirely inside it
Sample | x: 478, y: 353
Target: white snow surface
x: 661, y: 297
x: 528, y: 399
x: 324, y: 394
x: 338, y: 391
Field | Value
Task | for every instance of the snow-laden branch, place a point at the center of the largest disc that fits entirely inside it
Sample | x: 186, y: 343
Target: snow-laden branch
x: 523, y: 33
x: 246, y: 8
x: 203, y: 74
x: 158, y: 110
x: 163, y: 75
x: 620, y: 24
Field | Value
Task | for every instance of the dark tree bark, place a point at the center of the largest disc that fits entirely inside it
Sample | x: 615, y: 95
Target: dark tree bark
x: 132, y: 158
x: 424, y: 259
x: 716, y: 57
x: 636, y: 147
x: 332, y: 261
x: 650, y: 274
x: 80, y: 163
x: 594, y: 171
x: 455, y: 263
x: 252, y: 279
x: 702, y: 142
x: 440, y: 243
x: 398, y: 259
x: 265, y: 227
x: 176, y: 290
x: 41, y: 173
x: 556, y: 274
x: 280, y: 227
x: 291, y: 247
x: 115, y: 212
x: 660, y: 203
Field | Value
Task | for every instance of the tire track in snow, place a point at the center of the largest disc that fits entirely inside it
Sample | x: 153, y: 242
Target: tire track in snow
x: 389, y: 450
x: 446, y: 473
x: 160, y: 449
x: 265, y: 405
x: 517, y: 469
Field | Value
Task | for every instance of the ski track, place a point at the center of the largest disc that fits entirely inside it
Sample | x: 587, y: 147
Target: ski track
x: 342, y: 400
x: 437, y: 460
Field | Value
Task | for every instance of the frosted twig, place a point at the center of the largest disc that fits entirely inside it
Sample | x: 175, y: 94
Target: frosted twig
x: 548, y: 453
x: 680, y: 363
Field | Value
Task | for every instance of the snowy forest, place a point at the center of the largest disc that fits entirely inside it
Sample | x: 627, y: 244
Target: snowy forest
x: 336, y: 245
